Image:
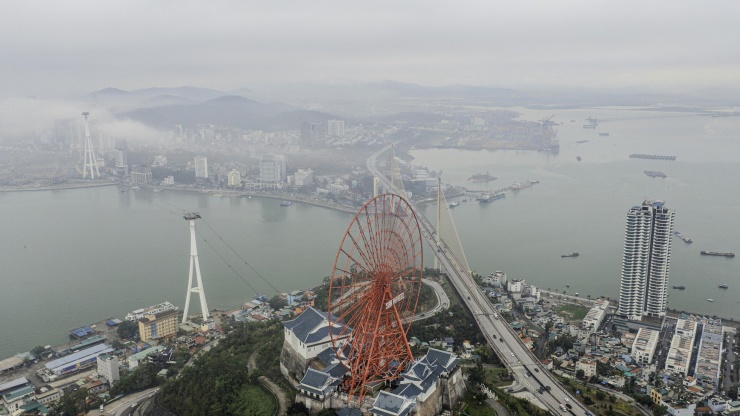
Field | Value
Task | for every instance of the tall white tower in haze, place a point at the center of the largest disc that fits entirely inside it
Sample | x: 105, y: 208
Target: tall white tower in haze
x: 90, y: 161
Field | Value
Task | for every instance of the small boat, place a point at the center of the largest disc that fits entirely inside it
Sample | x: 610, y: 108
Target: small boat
x: 582, y: 141
x: 567, y: 285
x: 603, y: 134
x: 576, y: 293
x: 578, y: 158
x: 679, y: 287
x: 454, y: 204
x: 489, y: 197
x: 710, y: 300
x: 722, y: 286
x: 286, y: 203
x: 683, y: 237
x: 124, y: 190
x: 570, y: 255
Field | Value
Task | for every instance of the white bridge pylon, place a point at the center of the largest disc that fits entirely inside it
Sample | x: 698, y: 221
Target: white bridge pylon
x: 447, y: 237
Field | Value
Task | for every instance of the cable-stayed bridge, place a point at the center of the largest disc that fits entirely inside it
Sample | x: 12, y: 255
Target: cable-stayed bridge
x: 443, y: 239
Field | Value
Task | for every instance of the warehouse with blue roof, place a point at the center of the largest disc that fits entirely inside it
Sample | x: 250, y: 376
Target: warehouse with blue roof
x: 77, y: 361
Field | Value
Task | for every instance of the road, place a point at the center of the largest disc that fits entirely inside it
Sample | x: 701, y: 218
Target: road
x: 497, y: 332
x: 443, y: 302
x: 127, y: 405
x: 730, y: 371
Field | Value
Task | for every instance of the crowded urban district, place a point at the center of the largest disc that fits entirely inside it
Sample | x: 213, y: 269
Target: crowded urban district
x: 682, y: 365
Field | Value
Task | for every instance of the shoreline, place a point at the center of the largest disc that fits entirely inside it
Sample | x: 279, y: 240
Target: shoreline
x: 60, y: 187
x: 281, y: 197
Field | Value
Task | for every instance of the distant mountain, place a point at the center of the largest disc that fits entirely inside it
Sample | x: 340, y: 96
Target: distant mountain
x: 109, y: 91
x: 227, y: 110
x: 118, y: 100
x: 193, y: 93
x: 166, y: 99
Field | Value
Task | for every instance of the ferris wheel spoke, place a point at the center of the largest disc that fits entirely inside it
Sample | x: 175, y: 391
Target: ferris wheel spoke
x: 363, y: 256
x: 366, y: 233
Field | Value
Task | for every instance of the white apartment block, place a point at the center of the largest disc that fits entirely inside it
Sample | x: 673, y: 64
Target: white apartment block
x: 595, y: 316
x: 643, y: 348
x: 646, y: 261
x: 201, y: 167
x: 108, y: 368
x: 234, y: 178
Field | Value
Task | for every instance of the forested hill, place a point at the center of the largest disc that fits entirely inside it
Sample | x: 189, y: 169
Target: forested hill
x: 218, y: 382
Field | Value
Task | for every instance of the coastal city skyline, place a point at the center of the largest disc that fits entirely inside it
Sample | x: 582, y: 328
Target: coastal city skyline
x: 219, y: 185
x: 397, y: 208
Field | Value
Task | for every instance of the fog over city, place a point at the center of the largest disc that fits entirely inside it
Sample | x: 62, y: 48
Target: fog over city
x: 411, y: 207
x: 68, y: 48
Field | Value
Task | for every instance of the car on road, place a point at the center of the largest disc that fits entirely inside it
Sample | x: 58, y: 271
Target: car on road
x: 537, y: 369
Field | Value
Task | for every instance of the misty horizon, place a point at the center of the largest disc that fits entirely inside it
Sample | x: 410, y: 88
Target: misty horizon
x: 79, y: 47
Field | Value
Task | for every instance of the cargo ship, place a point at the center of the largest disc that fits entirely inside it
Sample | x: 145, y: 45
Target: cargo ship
x: 603, y: 134
x: 653, y: 157
x: 655, y: 174
x: 582, y: 141
x: 679, y: 287
x: 683, y: 237
x: 716, y: 253
x: 723, y: 286
x: 522, y: 185
x: 488, y: 197
x: 570, y: 255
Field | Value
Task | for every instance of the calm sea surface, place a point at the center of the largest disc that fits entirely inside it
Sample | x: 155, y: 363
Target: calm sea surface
x: 73, y: 257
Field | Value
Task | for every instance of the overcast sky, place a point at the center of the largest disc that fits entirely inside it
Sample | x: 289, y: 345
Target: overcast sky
x: 54, y: 48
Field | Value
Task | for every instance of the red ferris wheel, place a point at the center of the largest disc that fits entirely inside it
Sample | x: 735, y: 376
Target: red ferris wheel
x: 374, y: 290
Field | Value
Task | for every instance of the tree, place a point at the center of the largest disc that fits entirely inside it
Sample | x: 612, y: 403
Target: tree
x: 71, y: 404
x: 600, y: 395
x: 660, y: 411
x: 733, y: 391
x: 477, y: 375
x: 37, y: 351
x: 277, y: 302
x: 602, y: 369
x: 127, y: 329
x: 297, y: 409
x: 580, y: 374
